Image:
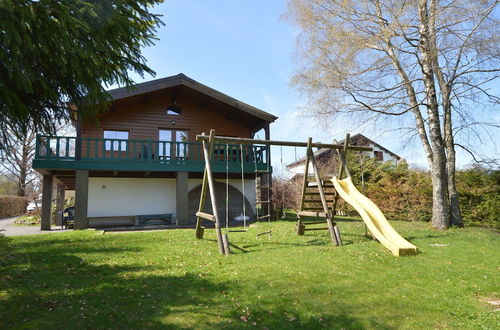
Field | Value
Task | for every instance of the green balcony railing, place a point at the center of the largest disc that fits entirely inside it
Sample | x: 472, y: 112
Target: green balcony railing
x: 62, y: 148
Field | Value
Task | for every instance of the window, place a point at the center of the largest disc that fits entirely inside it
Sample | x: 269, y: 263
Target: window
x: 168, y: 150
x: 117, y: 145
x: 379, y: 155
x: 172, y: 112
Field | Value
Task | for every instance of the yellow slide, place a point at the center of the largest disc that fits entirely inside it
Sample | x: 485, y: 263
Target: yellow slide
x: 374, y: 219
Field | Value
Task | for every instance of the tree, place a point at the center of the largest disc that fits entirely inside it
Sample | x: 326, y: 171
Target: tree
x: 19, y: 153
x: 54, y: 53
x: 428, y: 60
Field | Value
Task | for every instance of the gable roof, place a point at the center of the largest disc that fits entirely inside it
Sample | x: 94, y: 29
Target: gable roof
x: 355, y: 137
x: 183, y: 80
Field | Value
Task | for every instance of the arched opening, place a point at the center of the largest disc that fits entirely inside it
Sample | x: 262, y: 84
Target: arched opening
x: 235, y: 203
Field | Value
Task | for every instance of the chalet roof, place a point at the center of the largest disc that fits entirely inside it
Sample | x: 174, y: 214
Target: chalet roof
x: 183, y: 80
x: 323, y: 151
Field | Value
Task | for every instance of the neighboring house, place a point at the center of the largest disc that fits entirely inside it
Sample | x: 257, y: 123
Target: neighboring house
x: 141, y: 157
x: 380, y: 153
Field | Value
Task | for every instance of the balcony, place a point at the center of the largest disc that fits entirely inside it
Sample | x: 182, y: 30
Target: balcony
x: 66, y: 153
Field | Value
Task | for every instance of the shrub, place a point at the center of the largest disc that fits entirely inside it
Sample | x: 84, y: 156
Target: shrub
x: 479, y: 190
x: 33, y: 218
x: 11, y: 206
x: 406, y: 194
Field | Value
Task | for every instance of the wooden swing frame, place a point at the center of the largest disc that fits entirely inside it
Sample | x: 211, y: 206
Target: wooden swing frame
x: 209, y: 182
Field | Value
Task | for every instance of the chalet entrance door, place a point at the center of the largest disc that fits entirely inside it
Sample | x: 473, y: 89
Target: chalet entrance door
x: 172, y: 144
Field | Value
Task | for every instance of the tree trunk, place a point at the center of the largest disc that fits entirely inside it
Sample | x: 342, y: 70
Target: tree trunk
x: 455, y: 213
x: 440, y: 209
x: 23, y: 171
x: 21, y: 183
x: 440, y: 205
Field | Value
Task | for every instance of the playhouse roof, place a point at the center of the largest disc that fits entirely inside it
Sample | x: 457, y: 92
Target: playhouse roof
x: 355, y: 137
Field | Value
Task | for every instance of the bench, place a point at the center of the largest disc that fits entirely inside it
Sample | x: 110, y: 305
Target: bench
x: 118, y: 221
x: 154, y: 219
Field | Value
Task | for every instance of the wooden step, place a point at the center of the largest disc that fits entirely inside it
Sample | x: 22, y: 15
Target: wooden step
x: 264, y: 216
x: 313, y: 208
x: 317, y: 193
x: 313, y: 222
x: 311, y: 214
x: 316, y: 201
x: 321, y: 228
x: 262, y: 202
x: 262, y: 171
x: 206, y: 216
x: 263, y: 187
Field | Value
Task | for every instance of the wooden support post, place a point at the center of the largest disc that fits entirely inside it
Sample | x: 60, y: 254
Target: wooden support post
x: 268, y: 193
x: 343, y: 166
x: 204, y: 186
x: 225, y: 242
x: 331, y: 225
x: 59, y: 204
x: 46, y: 201
x: 181, y: 199
x: 81, y: 199
x: 211, y: 188
x: 300, y: 227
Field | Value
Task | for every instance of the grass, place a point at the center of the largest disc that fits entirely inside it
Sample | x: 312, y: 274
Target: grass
x: 168, y: 279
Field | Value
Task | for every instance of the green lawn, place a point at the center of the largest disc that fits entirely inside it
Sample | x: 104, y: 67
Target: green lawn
x: 168, y: 279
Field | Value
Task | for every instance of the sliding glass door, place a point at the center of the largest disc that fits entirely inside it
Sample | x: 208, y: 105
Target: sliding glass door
x: 172, y: 144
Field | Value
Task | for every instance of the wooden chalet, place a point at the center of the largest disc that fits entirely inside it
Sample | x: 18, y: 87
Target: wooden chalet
x: 140, y: 161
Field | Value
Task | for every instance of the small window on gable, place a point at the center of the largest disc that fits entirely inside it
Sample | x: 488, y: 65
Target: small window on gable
x: 379, y: 155
x: 115, y: 135
x: 173, y: 110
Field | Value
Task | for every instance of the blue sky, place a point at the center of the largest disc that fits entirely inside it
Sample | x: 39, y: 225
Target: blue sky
x: 245, y: 49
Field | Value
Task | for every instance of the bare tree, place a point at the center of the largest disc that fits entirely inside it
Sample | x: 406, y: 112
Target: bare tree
x: 429, y: 61
x: 16, y: 162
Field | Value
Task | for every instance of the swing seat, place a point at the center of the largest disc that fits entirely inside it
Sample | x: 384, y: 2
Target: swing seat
x: 242, y: 218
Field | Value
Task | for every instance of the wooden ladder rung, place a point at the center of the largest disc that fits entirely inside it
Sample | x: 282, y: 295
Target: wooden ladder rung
x: 263, y: 187
x: 313, y: 222
x: 311, y: 214
x: 313, y: 208
x: 262, y: 202
x: 262, y: 171
x: 322, y: 228
x: 264, y: 216
x: 317, y: 193
x: 206, y: 216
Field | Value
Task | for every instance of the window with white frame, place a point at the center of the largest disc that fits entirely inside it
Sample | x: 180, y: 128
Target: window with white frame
x: 115, y: 145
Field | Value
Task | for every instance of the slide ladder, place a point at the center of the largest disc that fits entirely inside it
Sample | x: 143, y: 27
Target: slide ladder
x: 374, y: 219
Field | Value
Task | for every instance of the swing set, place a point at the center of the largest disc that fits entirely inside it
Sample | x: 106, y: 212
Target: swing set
x: 373, y: 218
x: 209, y: 184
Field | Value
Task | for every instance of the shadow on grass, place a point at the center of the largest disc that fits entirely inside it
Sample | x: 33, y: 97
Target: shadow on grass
x: 54, y: 287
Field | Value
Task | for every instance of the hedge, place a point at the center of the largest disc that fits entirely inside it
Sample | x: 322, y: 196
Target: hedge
x: 11, y: 206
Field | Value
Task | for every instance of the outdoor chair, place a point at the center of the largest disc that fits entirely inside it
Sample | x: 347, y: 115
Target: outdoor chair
x: 68, y: 217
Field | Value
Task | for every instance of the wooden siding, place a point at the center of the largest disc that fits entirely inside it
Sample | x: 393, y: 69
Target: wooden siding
x: 142, y: 116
